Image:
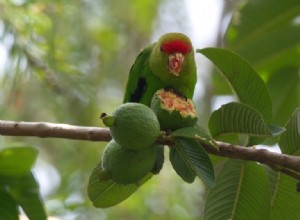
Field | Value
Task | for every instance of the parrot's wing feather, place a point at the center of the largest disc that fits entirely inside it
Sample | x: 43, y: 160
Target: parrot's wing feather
x: 138, y: 92
x: 137, y: 82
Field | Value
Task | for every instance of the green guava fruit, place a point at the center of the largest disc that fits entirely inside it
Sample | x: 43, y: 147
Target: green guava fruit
x: 127, y: 166
x: 173, y: 109
x: 133, y: 125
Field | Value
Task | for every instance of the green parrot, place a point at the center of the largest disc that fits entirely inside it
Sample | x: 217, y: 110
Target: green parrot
x: 168, y: 63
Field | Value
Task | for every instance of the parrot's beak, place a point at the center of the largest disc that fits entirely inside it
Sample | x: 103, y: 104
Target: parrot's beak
x: 175, y: 63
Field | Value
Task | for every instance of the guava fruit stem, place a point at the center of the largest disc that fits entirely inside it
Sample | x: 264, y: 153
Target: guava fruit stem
x: 108, y: 120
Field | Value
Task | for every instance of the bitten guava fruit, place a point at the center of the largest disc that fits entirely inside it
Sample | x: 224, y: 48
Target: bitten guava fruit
x: 133, y: 125
x: 127, y: 166
x: 173, y: 109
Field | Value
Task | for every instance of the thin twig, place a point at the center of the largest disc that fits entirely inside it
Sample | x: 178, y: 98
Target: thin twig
x: 285, y: 171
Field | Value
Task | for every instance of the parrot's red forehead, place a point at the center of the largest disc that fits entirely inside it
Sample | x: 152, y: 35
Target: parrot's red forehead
x: 173, y: 46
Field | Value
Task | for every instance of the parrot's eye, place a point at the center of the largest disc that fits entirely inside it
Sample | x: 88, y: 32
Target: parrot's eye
x: 161, y: 49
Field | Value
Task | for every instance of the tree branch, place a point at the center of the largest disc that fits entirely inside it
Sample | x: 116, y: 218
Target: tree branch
x: 259, y: 155
x: 285, y: 171
x: 52, y: 130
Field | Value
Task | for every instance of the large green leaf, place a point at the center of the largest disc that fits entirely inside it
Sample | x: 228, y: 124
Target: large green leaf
x: 9, y: 208
x: 285, y: 199
x: 266, y: 33
x: 238, y: 118
x: 20, y: 184
x: 289, y: 141
x: 196, y: 158
x: 17, y: 161
x: 181, y: 164
x: 241, y: 192
x: 284, y: 87
x: 105, y: 193
x: 246, y: 84
x: 25, y: 191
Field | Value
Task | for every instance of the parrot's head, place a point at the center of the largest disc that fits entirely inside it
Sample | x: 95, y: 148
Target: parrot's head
x: 171, y: 55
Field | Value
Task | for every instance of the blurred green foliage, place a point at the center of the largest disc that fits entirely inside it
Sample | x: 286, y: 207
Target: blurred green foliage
x: 267, y: 35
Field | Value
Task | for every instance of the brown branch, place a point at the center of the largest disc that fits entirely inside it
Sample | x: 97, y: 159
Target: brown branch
x: 285, y: 171
x: 259, y: 155
x: 51, y: 130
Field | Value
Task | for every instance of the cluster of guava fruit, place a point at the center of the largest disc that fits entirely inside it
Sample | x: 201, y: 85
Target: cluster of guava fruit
x: 133, y: 154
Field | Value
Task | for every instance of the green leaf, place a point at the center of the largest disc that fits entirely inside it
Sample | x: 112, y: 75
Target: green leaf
x: 25, y: 191
x: 105, y: 193
x: 9, y: 208
x: 241, y: 192
x: 17, y: 161
x: 181, y: 163
x: 289, y: 141
x: 285, y: 199
x: 285, y: 96
x: 191, y: 132
x: 246, y: 84
x: 160, y: 159
x: 197, y: 159
x: 238, y: 118
x: 266, y: 34
x: 196, y: 133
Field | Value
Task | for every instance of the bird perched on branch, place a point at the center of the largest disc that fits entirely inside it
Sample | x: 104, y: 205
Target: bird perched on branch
x: 168, y: 63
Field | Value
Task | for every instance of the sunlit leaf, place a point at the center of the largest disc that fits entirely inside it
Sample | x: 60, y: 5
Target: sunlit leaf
x: 289, y: 141
x: 238, y: 118
x: 17, y: 161
x: 246, y: 84
x: 241, y: 192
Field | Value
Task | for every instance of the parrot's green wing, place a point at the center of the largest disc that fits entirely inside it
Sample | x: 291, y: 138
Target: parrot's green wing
x: 137, y: 80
